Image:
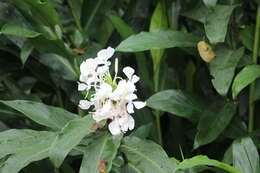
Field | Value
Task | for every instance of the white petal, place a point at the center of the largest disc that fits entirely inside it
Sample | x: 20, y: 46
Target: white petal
x: 135, y: 79
x: 105, y: 54
x: 82, y: 86
x: 84, y: 104
x: 114, y: 127
x: 130, y: 97
x: 83, y: 68
x: 139, y: 104
x: 130, y: 108
x: 107, y: 106
x: 129, y: 72
x: 102, y: 70
x: 131, y: 122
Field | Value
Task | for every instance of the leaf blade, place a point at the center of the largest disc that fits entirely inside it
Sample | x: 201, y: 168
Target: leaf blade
x: 157, y: 40
x: 70, y: 136
x: 246, y: 76
x: 49, y: 116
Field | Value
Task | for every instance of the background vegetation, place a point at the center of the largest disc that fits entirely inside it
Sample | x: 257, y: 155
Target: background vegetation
x: 201, y: 114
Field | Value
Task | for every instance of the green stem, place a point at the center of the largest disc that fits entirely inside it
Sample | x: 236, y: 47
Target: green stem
x: 233, y: 36
x: 157, y: 112
x: 158, y: 124
x: 76, y: 19
x: 252, y: 86
x: 59, y: 97
x: 92, y: 15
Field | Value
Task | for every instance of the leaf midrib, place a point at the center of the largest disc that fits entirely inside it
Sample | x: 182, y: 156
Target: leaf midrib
x: 144, y: 156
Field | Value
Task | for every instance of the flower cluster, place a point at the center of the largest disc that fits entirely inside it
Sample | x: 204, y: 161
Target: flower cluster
x: 113, y: 99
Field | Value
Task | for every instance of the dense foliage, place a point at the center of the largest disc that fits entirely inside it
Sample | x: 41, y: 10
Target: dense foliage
x: 197, y: 63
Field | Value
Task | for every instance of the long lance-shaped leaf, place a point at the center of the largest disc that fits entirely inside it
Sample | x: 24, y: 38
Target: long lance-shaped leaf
x: 159, y: 39
x: 15, y: 29
x: 245, y: 155
x: 16, y: 141
x: 246, y: 76
x: 101, y: 151
x: 49, y: 116
x: 217, y: 116
x: 177, y: 102
x: 204, y: 160
x: 69, y: 137
x: 23, y: 157
x: 147, y: 156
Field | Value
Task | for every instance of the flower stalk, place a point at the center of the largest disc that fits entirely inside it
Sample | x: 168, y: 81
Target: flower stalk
x: 252, y: 86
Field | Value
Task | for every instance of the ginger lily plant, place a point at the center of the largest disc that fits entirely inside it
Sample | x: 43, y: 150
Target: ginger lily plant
x: 113, y: 98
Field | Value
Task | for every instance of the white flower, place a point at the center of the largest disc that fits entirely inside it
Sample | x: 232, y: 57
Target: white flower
x: 126, y: 122
x: 114, y: 127
x: 124, y: 88
x: 102, y: 69
x: 104, y: 113
x: 88, y: 67
x: 104, y: 92
x: 104, y: 54
x: 84, y: 104
x: 129, y: 72
x: 109, y: 103
x: 139, y: 105
x: 123, y: 124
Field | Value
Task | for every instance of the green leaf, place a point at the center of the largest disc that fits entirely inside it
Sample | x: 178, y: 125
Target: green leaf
x: 41, y: 10
x: 104, y: 32
x: 15, y: 29
x: 59, y: 47
x: 177, y: 102
x: 197, y: 12
x: 60, y: 65
x: 245, y: 155
x: 38, y: 144
x: 210, y: 3
x: 104, y: 148
x: 146, y: 156
x: 204, y: 160
x: 222, y: 68
x: 142, y: 131
x: 16, y: 141
x: 217, y: 23
x: 69, y: 137
x: 157, y: 40
x: 125, y: 31
x: 26, y: 51
x: 213, y: 121
x: 158, y: 21
x: 245, y: 77
x: 49, y: 116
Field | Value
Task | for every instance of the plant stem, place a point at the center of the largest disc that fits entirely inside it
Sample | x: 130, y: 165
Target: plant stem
x: 252, y: 86
x: 92, y: 15
x: 59, y: 97
x: 157, y: 112
x: 233, y: 31
x: 158, y: 123
x: 75, y: 16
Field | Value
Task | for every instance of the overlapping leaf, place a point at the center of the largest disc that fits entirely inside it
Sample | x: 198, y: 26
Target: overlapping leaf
x: 49, y: 116
x: 69, y: 137
x: 146, y: 156
x: 104, y: 150
x: 245, y: 155
x: 177, y: 102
